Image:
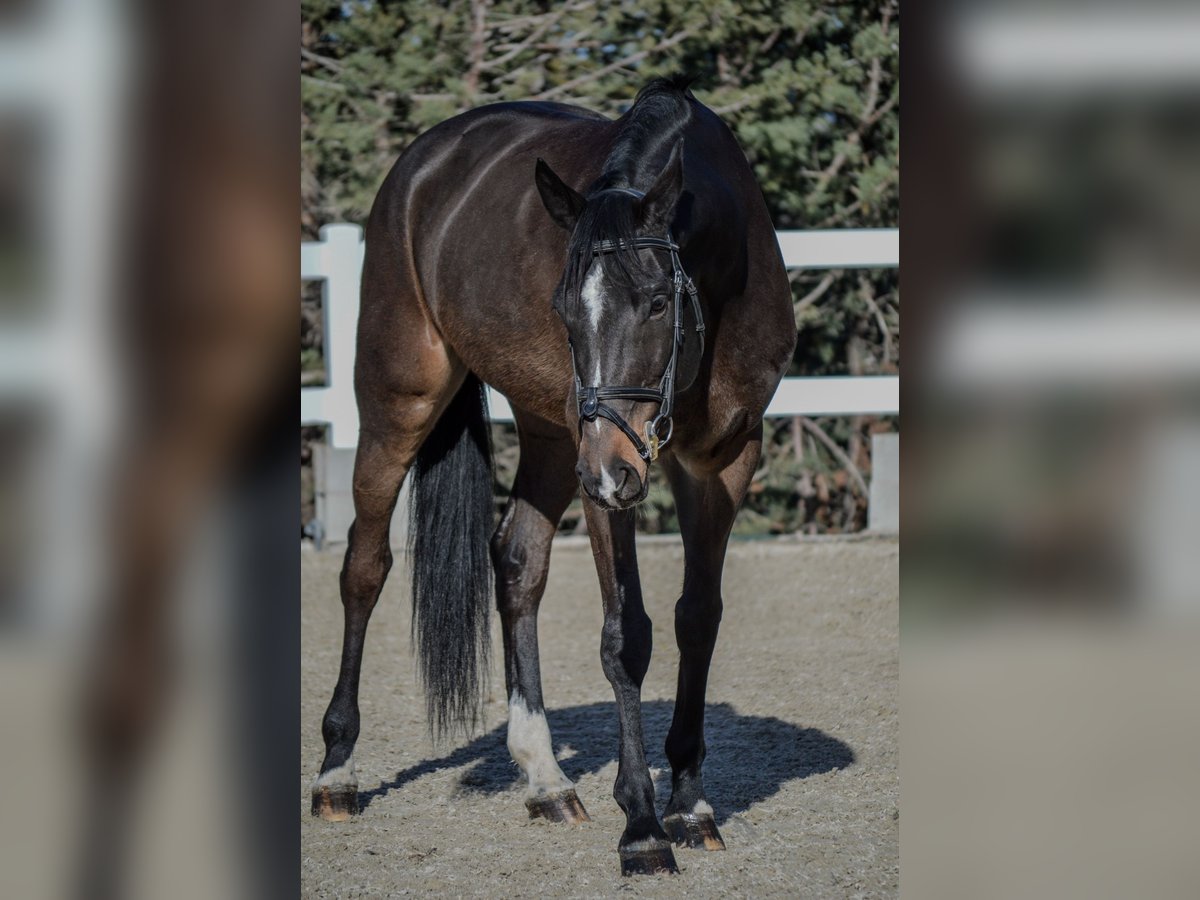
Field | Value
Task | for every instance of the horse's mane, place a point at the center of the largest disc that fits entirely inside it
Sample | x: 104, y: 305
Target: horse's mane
x: 646, y: 133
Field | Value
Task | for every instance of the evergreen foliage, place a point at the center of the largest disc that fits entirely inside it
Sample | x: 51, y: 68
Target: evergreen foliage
x: 810, y: 89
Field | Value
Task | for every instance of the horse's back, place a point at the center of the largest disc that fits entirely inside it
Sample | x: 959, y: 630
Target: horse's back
x: 488, y: 129
x: 456, y: 246
x: 480, y: 157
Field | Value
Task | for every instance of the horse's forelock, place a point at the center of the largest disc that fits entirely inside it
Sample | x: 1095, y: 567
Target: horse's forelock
x: 647, y: 133
x: 607, y: 217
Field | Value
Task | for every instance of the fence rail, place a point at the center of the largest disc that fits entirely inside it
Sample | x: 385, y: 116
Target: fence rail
x: 337, y: 260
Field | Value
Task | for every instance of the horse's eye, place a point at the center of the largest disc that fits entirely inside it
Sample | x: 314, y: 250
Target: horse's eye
x: 658, y: 303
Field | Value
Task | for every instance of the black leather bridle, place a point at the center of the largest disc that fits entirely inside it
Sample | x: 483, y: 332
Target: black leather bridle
x: 591, y: 399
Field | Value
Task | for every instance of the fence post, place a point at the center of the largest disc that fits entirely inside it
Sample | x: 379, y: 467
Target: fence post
x: 342, y: 258
x: 883, y: 506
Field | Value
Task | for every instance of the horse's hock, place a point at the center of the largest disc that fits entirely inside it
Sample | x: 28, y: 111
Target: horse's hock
x: 333, y: 488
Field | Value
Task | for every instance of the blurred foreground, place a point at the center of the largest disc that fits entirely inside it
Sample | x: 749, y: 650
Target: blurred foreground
x: 1051, y: 595
x: 147, y: 269
x: 147, y: 204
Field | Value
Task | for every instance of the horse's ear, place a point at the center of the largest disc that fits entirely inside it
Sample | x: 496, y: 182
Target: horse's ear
x: 658, y: 207
x: 562, y: 202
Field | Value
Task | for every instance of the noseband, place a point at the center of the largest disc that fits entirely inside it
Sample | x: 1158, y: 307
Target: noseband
x: 591, y: 399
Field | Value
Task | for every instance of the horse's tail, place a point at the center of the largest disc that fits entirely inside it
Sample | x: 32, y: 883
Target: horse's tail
x: 450, y: 521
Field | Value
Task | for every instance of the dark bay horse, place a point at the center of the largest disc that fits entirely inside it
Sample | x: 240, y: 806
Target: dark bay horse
x: 620, y: 282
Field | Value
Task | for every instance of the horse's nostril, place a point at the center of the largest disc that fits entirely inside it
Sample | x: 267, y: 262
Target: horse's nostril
x: 631, y: 485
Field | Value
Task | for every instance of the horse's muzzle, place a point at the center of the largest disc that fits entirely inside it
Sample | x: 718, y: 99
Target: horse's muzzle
x: 615, y: 486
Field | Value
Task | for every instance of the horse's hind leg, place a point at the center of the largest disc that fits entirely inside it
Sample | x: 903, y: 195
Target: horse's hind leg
x: 707, y: 504
x: 402, y: 384
x: 544, y: 485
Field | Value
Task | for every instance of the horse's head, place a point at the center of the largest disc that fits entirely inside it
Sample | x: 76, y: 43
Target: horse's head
x: 621, y: 298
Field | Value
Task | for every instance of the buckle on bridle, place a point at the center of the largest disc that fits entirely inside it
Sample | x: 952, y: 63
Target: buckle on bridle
x: 590, y: 405
x: 653, y: 440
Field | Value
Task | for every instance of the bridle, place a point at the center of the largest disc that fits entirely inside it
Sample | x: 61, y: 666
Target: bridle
x: 591, y: 399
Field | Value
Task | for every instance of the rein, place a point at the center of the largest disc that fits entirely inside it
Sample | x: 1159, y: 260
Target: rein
x: 591, y: 399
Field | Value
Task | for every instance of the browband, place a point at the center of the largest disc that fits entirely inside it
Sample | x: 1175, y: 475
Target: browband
x: 632, y: 192
x: 601, y: 247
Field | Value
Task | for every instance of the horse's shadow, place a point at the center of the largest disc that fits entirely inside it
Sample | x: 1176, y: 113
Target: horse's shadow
x: 753, y: 756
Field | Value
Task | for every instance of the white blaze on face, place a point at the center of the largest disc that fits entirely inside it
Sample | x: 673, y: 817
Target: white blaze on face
x: 608, y: 487
x: 593, y: 298
x: 529, y: 744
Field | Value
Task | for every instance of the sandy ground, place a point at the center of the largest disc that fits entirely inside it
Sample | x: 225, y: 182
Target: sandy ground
x: 802, y: 734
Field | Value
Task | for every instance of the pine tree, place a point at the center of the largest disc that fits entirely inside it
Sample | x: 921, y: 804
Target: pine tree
x: 810, y: 89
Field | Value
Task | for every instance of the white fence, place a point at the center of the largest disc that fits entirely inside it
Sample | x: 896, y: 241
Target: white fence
x: 337, y: 261
x: 63, y: 72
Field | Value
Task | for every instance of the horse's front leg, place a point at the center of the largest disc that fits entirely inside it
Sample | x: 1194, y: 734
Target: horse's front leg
x: 625, y: 653
x: 544, y: 486
x: 707, y: 503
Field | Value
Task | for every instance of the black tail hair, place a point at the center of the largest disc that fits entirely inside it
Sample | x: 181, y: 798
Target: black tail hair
x: 450, y: 523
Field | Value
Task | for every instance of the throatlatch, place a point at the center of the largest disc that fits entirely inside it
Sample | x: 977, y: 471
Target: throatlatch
x: 591, y: 399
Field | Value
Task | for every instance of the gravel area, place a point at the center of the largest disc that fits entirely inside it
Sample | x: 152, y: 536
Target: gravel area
x: 803, y: 738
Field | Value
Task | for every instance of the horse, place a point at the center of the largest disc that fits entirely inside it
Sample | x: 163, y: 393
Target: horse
x: 619, y: 281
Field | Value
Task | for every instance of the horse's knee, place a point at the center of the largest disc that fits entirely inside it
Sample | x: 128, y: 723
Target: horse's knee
x: 508, y: 557
x: 626, y: 642
x: 520, y: 571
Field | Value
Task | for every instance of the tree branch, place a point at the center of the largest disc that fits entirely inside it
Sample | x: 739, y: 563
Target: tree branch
x: 514, y: 22
x: 477, y: 50
x: 736, y: 105
x: 848, y: 464
x: 537, y: 33
x: 869, y: 116
x: 766, y: 45
x: 332, y: 85
x: 664, y: 44
x: 816, y: 293
x: 882, y: 111
x: 845, y: 212
x: 864, y: 291
x: 320, y: 60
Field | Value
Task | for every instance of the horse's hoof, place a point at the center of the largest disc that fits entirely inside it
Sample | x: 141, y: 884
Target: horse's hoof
x: 335, y: 804
x: 562, y: 807
x: 656, y: 859
x: 695, y: 831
